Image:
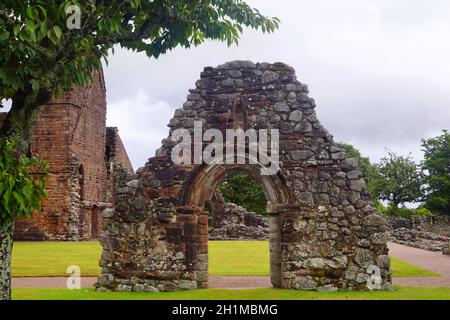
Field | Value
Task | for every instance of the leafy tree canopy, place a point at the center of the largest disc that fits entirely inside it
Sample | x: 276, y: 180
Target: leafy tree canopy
x: 243, y: 190
x: 20, y: 192
x: 47, y: 47
x: 436, y: 165
x: 399, y: 181
x: 41, y: 52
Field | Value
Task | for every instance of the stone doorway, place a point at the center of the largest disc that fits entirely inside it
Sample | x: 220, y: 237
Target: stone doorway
x: 326, y: 234
x: 202, y: 189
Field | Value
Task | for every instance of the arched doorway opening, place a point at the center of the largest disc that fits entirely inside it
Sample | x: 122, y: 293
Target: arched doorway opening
x: 200, y: 190
x: 326, y: 231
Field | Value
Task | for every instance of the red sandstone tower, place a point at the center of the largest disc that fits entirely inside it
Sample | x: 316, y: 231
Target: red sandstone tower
x: 71, y: 136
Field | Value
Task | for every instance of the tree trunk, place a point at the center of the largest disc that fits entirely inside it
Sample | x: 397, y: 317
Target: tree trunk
x: 6, y: 244
x: 19, y: 125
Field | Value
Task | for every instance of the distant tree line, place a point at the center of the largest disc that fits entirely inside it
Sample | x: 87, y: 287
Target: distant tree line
x: 399, y: 179
x: 396, y: 179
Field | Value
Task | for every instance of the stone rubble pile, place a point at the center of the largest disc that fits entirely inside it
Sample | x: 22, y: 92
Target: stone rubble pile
x: 425, y: 232
x: 240, y: 224
x: 420, y: 239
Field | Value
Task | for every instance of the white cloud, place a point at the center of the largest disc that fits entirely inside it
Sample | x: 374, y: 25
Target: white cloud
x: 140, y: 126
x: 378, y: 70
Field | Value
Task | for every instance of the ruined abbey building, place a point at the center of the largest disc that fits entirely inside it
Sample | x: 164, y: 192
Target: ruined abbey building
x: 84, y: 160
x: 324, y: 230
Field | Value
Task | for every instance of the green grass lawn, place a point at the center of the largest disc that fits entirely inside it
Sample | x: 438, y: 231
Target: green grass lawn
x: 400, y: 293
x: 402, y: 269
x: 226, y: 258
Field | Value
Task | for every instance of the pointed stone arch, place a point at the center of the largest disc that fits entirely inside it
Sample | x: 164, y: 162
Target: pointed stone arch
x: 328, y: 233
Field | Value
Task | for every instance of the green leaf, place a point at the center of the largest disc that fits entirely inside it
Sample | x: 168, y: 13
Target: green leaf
x: 20, y: 199
x: 30, y: 25
x: 6, y: 201
x: 35, y: 85
x: 58, y: 32
x: 16, y: 29
x: 4, y: 35
x: 30, y: 12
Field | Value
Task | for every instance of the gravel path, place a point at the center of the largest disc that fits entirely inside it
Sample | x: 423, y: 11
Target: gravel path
x: 433, y: 261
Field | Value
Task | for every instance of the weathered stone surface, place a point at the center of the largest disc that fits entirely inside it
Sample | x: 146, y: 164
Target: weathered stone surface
x: 384, y: 261
x: 232, y: 222
x: 134, y: 184
x: 85, y: 158
x: 164, y: 216
x: 323, y: 233
x: 303, y: 127
x: 155, y: 183
x: 298, y: 155
x: 327, y: 288
x: 354, y: 174
x: 357, y: 185
x: 305, y: 283
x: 281, y: 107
x: 306, y: 198
x: 285, y: 127
x: 338, y: 156
x: 379, y: 238
x: 292, y: 98
x: 108, y: 213
x: 296, y: 116
x: 269, y: 77
x: 446, y: 249
x: 349, y: 164
x: 428, y: 233
x: 374, y: 220
x: 364, y: 258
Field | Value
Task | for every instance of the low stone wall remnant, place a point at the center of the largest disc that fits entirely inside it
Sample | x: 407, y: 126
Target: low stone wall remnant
x: 424, y: 232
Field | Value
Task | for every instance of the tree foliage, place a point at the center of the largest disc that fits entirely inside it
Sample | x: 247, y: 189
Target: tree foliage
x: 436, y: 165
x: 243, y: 190
x: 399, y: 180
x: 20, y: 192
x: 40, y: 53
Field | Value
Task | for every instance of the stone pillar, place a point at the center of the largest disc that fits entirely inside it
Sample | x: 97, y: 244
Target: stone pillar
x: 274, y: 243
x: 202, y: 249
x: 447, y: 250
x: 275, y: 249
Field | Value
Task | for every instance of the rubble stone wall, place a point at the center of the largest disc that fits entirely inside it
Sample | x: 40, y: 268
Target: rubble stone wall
x: 324, y: 231
x: 229, y: 221
x: 70, y: 136
x: 425, y: 232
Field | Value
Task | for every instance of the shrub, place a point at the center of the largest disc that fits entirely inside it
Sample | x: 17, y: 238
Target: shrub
x: 424, y: 212
x: 379, y: 205
x: 400, y: 212
x: 20, y: 191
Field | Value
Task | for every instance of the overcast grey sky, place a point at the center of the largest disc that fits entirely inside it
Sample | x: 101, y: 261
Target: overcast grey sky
x: 378, y: 70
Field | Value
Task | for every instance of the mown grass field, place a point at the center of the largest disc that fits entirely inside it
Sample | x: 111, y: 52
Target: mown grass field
x: 226, y: 258
x: 400, y: 293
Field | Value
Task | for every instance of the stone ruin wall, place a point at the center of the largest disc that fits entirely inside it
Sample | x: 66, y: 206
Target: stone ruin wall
x: 118, y: 165
x: 229, y: 221
x: 424, y: 232
x: 70, y: 136
x: 325, y: 233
